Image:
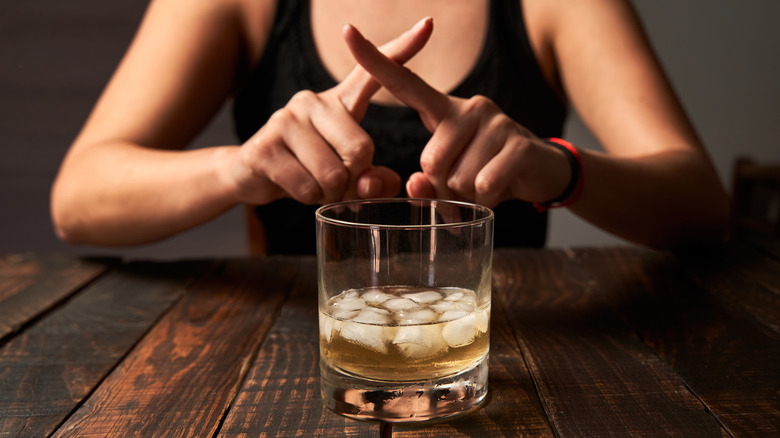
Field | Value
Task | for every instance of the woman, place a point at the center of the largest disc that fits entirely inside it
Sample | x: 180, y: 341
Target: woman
x: 488, y: 87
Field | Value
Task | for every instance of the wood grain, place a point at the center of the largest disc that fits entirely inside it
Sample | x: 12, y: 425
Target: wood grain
x: 741, y: 278
x: 47, y: 370
x: 718, y: 351
x: 595, y: 376
x: 281, y: 395
x: 31, y: 285
x: 513, y: 408
x: 616, y: 341
x: 184, y: 374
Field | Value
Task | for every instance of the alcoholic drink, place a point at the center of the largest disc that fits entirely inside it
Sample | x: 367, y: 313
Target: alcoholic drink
x: 402, y: 334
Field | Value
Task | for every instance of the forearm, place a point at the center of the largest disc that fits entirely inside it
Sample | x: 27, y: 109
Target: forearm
x: 667, y: 200
x: 121, y: 194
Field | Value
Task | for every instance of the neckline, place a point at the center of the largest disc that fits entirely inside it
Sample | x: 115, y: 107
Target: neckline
x: 475, y: 70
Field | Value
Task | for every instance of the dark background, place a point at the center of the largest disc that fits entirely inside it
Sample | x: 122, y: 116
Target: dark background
x: 723, y: 57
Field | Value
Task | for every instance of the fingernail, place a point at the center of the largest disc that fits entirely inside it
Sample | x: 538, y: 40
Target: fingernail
x: 421, y: 23
x: 369, y: 187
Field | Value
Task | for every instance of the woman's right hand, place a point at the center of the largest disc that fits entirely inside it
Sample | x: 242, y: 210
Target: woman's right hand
x: 313, y: 150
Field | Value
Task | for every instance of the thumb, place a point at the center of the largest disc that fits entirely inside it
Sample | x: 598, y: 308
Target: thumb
x: 378, y: 182
x: 418, y: 186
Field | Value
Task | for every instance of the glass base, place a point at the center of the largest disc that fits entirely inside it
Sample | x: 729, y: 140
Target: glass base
x: 401, y: 402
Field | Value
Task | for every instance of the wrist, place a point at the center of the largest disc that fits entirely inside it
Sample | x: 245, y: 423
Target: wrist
x: 229, y: 169
x: 573, y: 189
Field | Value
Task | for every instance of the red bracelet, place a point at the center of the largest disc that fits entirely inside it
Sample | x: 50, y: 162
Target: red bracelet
x: 573, y: 191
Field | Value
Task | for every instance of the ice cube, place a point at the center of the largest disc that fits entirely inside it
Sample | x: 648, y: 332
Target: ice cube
x: 444, y: 306
x: 464, y: 305
x: 399, y: 304
x: 419, y: 341
x: 461, y: 331
x: 463, y: 299
x: 344, y: 313
x: 452, y: 315
x: 347, y: 294
x: 369, y: 336
x: 371, y: 315
x: 454, y: 296
x: 350, y: 303
x: 415, y: 316
x: 326, y: 327
x: 425, y: 297
x: 483, y: 320
x: 376, y: 296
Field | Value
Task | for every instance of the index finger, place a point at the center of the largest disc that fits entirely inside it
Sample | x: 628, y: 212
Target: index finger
x: 406, y: 86
x: 356, y: 89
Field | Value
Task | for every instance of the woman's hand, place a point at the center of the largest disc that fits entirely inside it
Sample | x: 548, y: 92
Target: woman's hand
x: 654, y: 184
x: 314, y: 150
x: 476, y: 153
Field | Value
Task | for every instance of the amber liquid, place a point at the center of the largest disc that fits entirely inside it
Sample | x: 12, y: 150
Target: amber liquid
x: 403, y: 334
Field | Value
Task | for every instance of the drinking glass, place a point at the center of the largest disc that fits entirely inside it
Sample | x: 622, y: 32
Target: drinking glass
x: 404, y: 307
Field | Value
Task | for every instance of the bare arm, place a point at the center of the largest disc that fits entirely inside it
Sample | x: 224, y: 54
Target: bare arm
x: 121, y: 181
x: 655, y: 184
x: 125, y: 182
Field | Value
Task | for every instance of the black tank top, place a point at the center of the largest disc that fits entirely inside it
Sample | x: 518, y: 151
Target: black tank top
x: 506, y: 72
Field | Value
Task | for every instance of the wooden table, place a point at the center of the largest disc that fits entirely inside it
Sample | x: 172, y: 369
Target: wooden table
x: 614, y: 341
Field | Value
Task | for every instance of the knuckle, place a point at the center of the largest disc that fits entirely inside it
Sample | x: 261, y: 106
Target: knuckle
x: 431, y: 163
x: 460, y: 185
x: 307, y: 193
x: 500, y: 123
x: 283, y: 117
x: 335, y: 178
x: 484, y: 186
x: 258, y: 150
x: 428, y: 166
x: 481, y: 103
x: 359, y: 151
x: 304, y: 98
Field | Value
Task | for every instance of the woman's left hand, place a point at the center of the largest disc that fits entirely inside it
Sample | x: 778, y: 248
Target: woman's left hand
x: 476, y: 153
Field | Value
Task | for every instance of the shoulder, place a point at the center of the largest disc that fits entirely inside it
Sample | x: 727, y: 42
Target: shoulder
x: 185, y: 59
x: 564, y: 31
x: 581, y: 22
x: 554, y: 13
x: 245, y: 23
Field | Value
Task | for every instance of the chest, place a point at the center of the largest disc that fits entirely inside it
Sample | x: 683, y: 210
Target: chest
x: 447, y: 58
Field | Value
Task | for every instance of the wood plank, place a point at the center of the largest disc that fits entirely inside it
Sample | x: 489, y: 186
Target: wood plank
x: 50, y: 368
x: 184, y: 375
x: 30, y: 285
x: 595, y: 376
x: 513, y: 408
x: 284, y: 382
x: 281, y: 395
x: 721, y: 354
x: 742, y: 276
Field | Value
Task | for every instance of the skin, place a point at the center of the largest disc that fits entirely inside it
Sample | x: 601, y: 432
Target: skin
x: 653, y: 184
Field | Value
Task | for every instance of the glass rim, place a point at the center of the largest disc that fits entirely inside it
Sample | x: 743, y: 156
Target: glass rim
x: 428, y: 202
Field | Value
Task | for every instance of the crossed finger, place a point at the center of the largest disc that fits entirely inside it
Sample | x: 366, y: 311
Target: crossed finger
x: 406, y: 86
x: 359, y: 86
x: 433, y: 107
x: 354, y: 94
